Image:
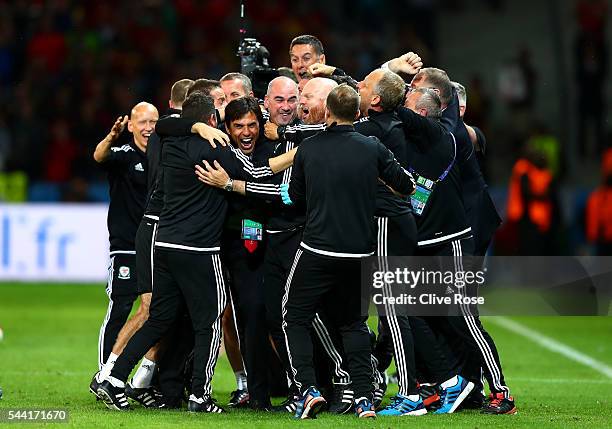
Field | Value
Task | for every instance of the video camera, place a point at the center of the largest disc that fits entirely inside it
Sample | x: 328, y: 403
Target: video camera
x: 254, y: 64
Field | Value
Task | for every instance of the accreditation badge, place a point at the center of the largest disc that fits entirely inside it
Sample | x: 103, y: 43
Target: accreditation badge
x: 424, y: 188
x: 251, y: 230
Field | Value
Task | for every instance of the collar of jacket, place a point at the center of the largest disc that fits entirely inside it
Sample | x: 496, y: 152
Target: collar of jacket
x: 172, y: 111
x: 340, y: 128
x: 376, y: 113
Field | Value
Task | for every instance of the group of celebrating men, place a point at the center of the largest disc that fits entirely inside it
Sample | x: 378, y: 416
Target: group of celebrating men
x: 229, y: 216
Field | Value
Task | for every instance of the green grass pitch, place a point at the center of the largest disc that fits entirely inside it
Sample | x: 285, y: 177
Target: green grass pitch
x: 49, y: 353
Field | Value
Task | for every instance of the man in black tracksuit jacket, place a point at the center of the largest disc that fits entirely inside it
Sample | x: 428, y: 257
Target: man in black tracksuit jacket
x: 444, y: 231
x: 127, y: 176
x: 243, y: 259
x: 381, y: 92
x: 187, y: 262
x: 442, y: 221
x: 335, y: 176
x: 480, y: 210
x: 397, y: 236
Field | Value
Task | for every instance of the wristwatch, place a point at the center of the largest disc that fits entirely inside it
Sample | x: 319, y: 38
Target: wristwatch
x: 229, y: 186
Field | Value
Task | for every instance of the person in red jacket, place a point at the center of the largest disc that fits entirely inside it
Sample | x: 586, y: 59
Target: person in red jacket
x: 533, y: 204
x: 599, y: 210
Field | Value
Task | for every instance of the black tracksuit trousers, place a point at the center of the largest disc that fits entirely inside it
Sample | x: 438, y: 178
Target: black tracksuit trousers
x: 280, y: 253
x: 246, y: 280
x: 470, y: 342
x: 331, y: 283
x: 397, y: 236
x: 198, y: 279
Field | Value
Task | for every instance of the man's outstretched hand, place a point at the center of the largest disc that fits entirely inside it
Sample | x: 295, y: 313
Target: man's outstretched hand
x: 118, y: 128
x: 213, y: 135
x: 214, y: 176
x: 318, y: 69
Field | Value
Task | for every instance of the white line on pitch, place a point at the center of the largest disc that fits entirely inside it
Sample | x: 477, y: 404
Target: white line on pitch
x: 50, y: 372
x: 552, y: 345
x: 560, y: 380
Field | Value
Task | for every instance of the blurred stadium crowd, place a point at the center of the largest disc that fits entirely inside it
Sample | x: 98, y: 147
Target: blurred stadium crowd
x: 68, y: 68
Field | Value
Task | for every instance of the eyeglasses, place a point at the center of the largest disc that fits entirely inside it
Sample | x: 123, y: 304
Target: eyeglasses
x: 410, y: 89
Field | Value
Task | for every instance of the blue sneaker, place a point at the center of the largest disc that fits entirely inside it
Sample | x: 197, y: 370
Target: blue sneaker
x: 452, y: 397
x: 402, y: 406
x: 309, y: 405
x: 364, y: 408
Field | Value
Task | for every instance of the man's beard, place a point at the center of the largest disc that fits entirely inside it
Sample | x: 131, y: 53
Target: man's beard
x: 316, y: 115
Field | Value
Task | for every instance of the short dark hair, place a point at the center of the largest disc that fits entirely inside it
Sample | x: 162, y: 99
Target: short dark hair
x: 391, y: 89
x: 287, y: 72
x: 179, y: 90
x: 198, y: 107
x: 343, y: 102
x: 204, y: 86
x: 307, y: 39
x: 239, y: 107
x: 246, y: 82
x: 439, y: 79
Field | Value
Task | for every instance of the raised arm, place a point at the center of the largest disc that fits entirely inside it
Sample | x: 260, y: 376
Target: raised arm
x: 103, y: 149
x: 450, y: 116
x: 409, y: 63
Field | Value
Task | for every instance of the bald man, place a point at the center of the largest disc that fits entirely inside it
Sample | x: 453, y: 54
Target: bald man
x: 312, y: 100
x: 281, y: 100
x: 126, y: 166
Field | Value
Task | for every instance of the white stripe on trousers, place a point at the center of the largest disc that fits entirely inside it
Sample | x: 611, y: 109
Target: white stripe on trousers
x: 334, y: 355
x: 378, y: 377
x: 216, y: 326
x: 153, y: 235
x: 298, y: 253
x: 394, y: 328
x: 109, y: 291
x: 485, y: 350
x: 342, y: 376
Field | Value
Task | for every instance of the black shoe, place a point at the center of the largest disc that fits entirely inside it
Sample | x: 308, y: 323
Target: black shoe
x: 289, y: 405
x: 260, y: 405
x: 499, y: 405
x: 93, y: 386
x: 342, y: 399
x: 114, y: 397
x: 148, y: 397
x: 203, y: 405
x: 239, y: 399
x: 474, y: 401
x: 172, y: 402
